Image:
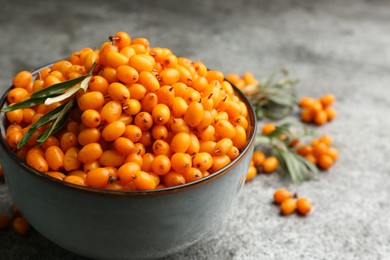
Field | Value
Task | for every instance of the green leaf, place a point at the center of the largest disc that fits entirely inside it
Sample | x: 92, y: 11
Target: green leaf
x: 57, y: 88
x: 58, y: 122
x: 27, y: 103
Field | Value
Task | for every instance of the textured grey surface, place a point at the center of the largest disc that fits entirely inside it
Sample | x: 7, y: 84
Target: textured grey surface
x: 340, y: 47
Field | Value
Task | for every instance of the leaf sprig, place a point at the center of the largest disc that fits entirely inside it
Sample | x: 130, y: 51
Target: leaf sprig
x: 297, y: 166
x: 58, y: 116
x: 274, y: 96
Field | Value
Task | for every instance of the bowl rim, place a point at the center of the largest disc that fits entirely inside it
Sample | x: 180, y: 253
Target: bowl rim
x: 125, y: 193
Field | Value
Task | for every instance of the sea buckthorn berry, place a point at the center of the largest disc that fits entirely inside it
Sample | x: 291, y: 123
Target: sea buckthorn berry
x: 71, y: 161
x: 281, y: 195
x: 303, y: 206
x: 161, y: 164
x: 128, y: 51
x: 233, y: 153
x: 132, y: 107
x: 179, y: 106
x: 13, y: 138
x: 91, y: 118
x: 165, y: 95
x: 91, y: 166
x: 15, y: 116
x: 135, y: 157
x: 169, y: 76
x: 77, y: 180
x: 159, y: 132
x: 270, y: 164
x: 178, y: 125
x: 124, y: 145
x: 192, y: 174
x: 225, y: 129
x: 143, y: 120
x: 28, y: 115
x: 192, y: 96
x: 109, y: 74
x: 288, y: 206
x: 203, y: 161
x: 330, y: 113
x: 4, y: 221
x: 144, y: 181
x: 304, y: 150
x: 258, y: 158
x: 127, y: 74
x: 223, y: 146
x: 180, y: 162
x: 239, y: 139
x: 54, y: 157
x: 111, y: 111
x: 307, y: 115
x: 147, y: 160
x: 268, y: 128
x: 180, y: 142
x: 118, y: 92
x: 90, y: 152
x: 57, y: 175
x: 180, y: 89
x: 51, y: 80
x: 161, y: 114
x: 173, y: 179
x: 320, y: 117
x: 121, y: 39
x: 91, y: 100
x: 170, y: 60
x: 317, y: 105
x: 141, y: 63
x: 194, y: 145
x: 20, y: 225
x: 200, y: 84
x: 98, y: 178
x: 141, y: 40
x: 126, y: 172
x: 325, y: 161
x: 214, y: 75
x: 333, y: 153
x: 133, y: 133
x: 320, y: 149
x: 98, y: 83
x: 116, y: 59
x: 161, y: 147
x: 37, y: 161
x: 149, y: 102
x: 252, y: 172
x: 149, y: 81
x: 113, y: 130
x: 68, y: 140
x: 311, y: 158
x: 146, y: 139
x: 327, y: 100
x: 17, y: 95
x: 22, y: 79
x: 138, y: 48
x: 219, y: 161
x: 306, y: 102
x: 89, y: 135
x: 112, y: 158
x: 194, y: 114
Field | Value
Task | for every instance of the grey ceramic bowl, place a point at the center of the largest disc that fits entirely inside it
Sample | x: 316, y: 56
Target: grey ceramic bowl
x: 124, y: 224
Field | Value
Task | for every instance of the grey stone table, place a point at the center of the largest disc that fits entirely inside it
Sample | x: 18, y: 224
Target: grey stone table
x: 340, y: 47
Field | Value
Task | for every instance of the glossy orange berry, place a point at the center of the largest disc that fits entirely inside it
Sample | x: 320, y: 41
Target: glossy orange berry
x: 71, y: 162
x: 159, y: 132
x: 304, y: 150
x: 161, y: 147
x: 147, y: 160
x: 311, y: 158
x: 126, y: 172
x: 118, y: 92
x: 281, y: 195
x: 181, y: 162
x: 288, y: 206
x: 22, y: 79
x: 37, y: 161
x: 233, y: 153
x: 320, y: 117
x: 192, y: 174
x: 320, y: 149
x: 258, y: 158
x: 161, y: 114
x: 143, y: 120
x: 141, y: 63
x: 77, y: 180
x: 115, y: 59
x: 169, y: 76
x: 121, y: 39
x: 57, y: 175
x: 113, y: 130
x: 223, y: 146
x: 327, y: 100
x: 133, y: 133
x: 89, y: 135
x: 306, y: 102
x: 54, y: 157
x: 124, y: 145
x: 15, y: 116
x: 331, y: 113
x: 252, y: 172
x: 333, y: 153
x: 20, y: 225
x: 214, y: 75
x: 225, y: 129
x: 161, y: 164
x: 325, y: 162
x: 109, y: 74
x: 111, y: 111
x: 304, y: 206
x: 173, y: 179
x: 180, y: 142
x: 149, y: 81
x: 91, y: 100
x: 98, y: 178
x: 127, y: 74
x: 307, y: 115
x: 326, y: 139
x: 112, y: 158
x: 144, y: 181
x: 98, y: 83
x: 194, y: 114
x: 17, y: 95
x: 270, y: 164
x: 90, y: 152
x: 268, y: 128
x: 91, y: 118
x: 219, y: 161
x: 13, y: 138
x: 239, y: 139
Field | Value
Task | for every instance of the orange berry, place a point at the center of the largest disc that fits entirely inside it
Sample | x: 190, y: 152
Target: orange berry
x: 331, y: 113
x: 307, y: 115
x: 320, y: 149
x: 281, y: 195
x: 270, y: 164
x: 98, y: 178
x: 268, y: 128
x: 303, y: 206
x: 320, y: 117
x: 252, y: 172
x: 20, y: 225
x: 258, y: 158
x: 325, y: 162
x: 311, y: 158
x: 288, y: 206
x: 22, y: 79
x: 306, y: 102
x: 327, y: 100
x: 332, y: 152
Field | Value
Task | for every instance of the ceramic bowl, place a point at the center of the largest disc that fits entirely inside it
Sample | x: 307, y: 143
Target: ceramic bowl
x: 105, y: 224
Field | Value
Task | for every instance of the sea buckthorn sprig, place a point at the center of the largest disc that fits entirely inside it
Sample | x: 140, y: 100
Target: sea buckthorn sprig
x: 281, y: 141
x: 142, y: 118
x: 318, y: 111
x: 273, y: 97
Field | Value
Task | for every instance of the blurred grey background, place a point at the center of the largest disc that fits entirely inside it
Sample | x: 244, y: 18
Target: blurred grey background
x: 339, y: 47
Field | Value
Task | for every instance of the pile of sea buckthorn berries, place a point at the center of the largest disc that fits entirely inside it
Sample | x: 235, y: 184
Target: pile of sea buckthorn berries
x: 148, y: 120
x: 18, y: 222
x: 318, y: 111
x: 320, y: 152
x: 288, y: 203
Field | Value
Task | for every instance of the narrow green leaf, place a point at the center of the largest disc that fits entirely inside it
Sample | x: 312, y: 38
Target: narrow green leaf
x: 61, y: 117
x: 57, y: 88
x: 27, y: 103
